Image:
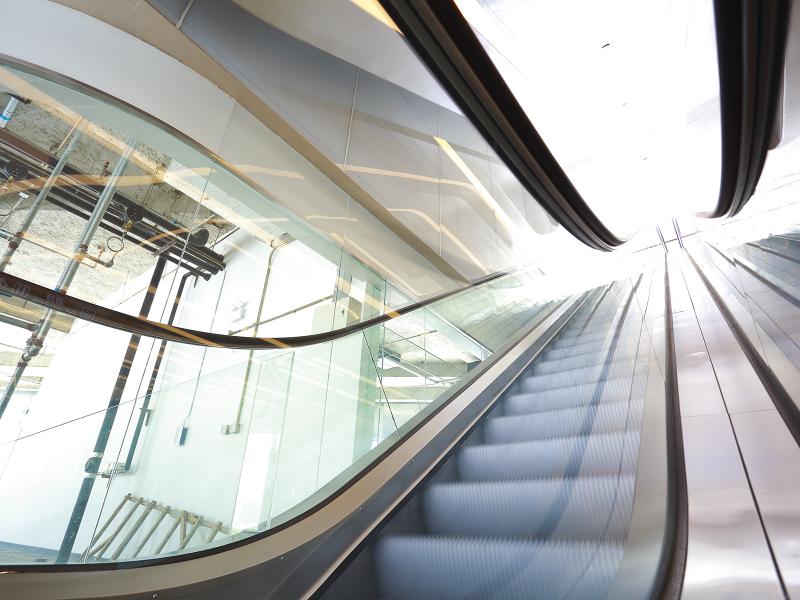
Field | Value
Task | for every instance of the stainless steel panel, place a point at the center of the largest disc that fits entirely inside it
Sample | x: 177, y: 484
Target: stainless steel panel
x: 697, y: 385
x: 648, y: 520
x: 773, y: 463
x: 677, y: 287
x: 728, y: 555
x: 741, y: 388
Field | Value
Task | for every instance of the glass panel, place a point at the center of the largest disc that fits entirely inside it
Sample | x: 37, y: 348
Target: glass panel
x: 66, y: 155
x: 193, y: 447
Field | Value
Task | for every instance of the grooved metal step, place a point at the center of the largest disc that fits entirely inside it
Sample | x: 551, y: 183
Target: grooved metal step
x: 564, y: 508
x: 566, y: 363
x: 559, y: 423
x: 445, y: 568
x: 571, y: 396
x: 614, y: 368
x: 593, y: 348
x: 603, y: 454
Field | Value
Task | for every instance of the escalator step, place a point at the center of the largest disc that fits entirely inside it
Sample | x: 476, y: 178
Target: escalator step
x: 594, y: 348
x: 445, y: 568
x: 603, y: 454
x: 586, y: 508
x: 581, y: 344
x: 584, y: 328
x: 618, y: 366
x: 581, y: 338
x: 567, y: 363
x: 522, y: 403
x: 539, y: 383
x: 560, y: 423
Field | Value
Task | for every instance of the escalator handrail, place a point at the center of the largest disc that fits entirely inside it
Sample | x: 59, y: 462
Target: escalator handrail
x: 89, y: 311
x: 751, y: 42
x: 446, y: 43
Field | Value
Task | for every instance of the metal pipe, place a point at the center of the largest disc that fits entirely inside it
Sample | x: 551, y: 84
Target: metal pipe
x: 96, y: 217
x: 36, y: 341
x: 17, y: 322
x: 37, y: 203
x: 276, y: 244
x: 92, y: 467
x: 291, y: 311
x: 8, y: 111
x: 144, y: 410
x: 115, y: 225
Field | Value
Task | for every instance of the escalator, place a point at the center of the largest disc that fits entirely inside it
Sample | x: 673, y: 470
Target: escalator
x: 462, y: 412
x: 537, y: 500
x: 521, y: 479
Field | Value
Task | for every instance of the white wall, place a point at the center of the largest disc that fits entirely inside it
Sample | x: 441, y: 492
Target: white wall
x: 381, y: 134
x: 69, y: 42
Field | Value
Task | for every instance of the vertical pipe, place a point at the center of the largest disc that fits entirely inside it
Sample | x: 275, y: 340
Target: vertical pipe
x: 277, y: 244
x: 8, y: 111
x: 154, y: 375
x: 35, y: 342
x: 92, y: 467
x: 37, y: 203
x: 95, y: 219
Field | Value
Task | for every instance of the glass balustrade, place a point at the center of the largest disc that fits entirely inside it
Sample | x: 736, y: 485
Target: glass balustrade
x: 198, y: 446
x: 66, y: 154
x: 115, y: 447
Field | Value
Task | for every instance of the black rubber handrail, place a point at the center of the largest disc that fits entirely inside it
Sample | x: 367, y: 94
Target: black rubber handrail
x: 446, y: 43
x: 12, y: 285
x: 751, y: 44
x: 672, y: 568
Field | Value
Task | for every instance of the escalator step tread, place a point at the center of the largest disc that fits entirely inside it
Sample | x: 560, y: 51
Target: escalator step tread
x: 605, y: 454
x: 450, y: 568
x: 541, y: 507
x: 580, y: 344
x: 609, y: 416
x: 595, y: 348
x: 544, y: 383
x: 523, y: 403
x: 617, y: 367
x: 595, y: 507
x: 566, y: 363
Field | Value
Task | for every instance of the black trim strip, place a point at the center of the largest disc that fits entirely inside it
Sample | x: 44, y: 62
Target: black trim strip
x: 447, y: 45
x: 751, y: 43
x: 669, y: 580
x: 12, y: 285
